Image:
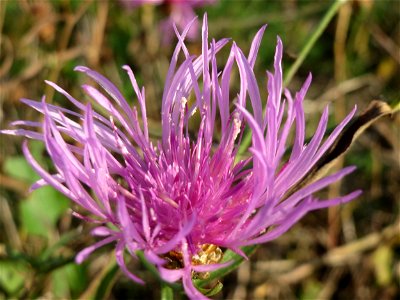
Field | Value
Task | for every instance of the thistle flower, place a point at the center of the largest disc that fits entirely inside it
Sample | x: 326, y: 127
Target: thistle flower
x: 182, y: 199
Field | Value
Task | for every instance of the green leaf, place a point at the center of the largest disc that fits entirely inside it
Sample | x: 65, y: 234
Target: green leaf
x: 69, y: 281
x: 12, y: 276
x: 41, y: 210
x: 17, y: 167
x: 101, y: 284
x: 107, y: 282
x: 228, y: 256
x: 60, y: 286
x: 77, y: 278
x: 212, y: 291
x: 167, y: 293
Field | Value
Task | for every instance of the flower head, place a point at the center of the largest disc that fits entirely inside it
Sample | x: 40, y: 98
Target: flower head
x: 183, y: 198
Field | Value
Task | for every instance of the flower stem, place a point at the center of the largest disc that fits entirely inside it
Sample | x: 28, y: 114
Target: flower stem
x: 314, y: 37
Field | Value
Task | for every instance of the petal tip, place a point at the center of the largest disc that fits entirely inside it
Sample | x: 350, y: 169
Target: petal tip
x: 81, y: 69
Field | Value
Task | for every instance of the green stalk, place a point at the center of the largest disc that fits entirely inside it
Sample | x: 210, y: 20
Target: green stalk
x: 167, y: 293
x: 246, y: 141
x: 314, y: 37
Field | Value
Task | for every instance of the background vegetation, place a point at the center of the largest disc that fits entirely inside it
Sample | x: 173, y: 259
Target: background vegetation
x: 349, y: 252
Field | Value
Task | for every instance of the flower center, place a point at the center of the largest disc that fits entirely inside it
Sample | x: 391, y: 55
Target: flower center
x: 208, y: 254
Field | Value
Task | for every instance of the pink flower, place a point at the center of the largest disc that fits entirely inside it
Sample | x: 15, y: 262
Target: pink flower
x: 181, y: 14
x: 178, y: 197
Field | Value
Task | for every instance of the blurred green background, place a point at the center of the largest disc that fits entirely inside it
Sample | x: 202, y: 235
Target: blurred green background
x: 349, y: 252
